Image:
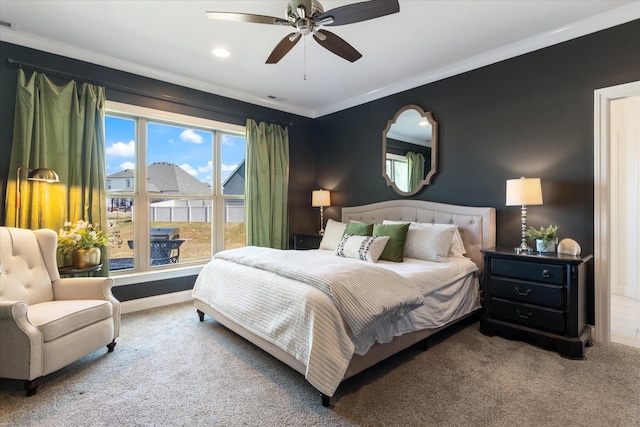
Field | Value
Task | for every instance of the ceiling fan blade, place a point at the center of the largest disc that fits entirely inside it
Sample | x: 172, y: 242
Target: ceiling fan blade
x: 362, y: 11
x: 285, y: 45
x: 338, y: 46
x: 247, y: 17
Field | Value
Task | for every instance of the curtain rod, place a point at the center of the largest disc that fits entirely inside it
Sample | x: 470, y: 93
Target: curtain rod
x: 144, y: 93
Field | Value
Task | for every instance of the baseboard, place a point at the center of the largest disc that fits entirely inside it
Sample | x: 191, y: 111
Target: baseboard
x: 155, y: 301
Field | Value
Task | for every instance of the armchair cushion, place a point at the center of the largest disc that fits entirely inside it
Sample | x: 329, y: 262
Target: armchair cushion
x: 58, y: 318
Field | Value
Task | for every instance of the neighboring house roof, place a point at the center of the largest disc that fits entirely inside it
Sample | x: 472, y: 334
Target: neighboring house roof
x: 165, y: 177
x: 127, y: 173
x: 234, y: 184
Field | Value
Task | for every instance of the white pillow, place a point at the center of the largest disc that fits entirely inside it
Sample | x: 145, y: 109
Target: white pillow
x: 429, y: 243
x: 457, y: 245
x: 365, y: 248
x: 332, y: 235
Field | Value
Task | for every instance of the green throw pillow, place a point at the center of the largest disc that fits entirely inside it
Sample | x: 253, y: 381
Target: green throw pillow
x: 394, y: 250
x: 358, y: 229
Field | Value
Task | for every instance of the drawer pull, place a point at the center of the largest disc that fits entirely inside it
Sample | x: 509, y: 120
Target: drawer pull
x: 525, y: 293
x: 523, y: 316
x: 546, y: 274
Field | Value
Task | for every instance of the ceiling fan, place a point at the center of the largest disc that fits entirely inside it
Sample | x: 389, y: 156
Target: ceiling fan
x: 307, y: 16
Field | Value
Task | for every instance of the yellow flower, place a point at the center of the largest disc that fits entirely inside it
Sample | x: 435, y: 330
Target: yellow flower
x: 80, y: 235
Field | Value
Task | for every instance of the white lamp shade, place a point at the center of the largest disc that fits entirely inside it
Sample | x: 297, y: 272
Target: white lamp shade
x: 524, y: 191
x: 320, y: 198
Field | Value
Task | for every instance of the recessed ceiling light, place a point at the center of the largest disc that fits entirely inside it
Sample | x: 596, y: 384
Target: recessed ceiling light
x: 222, y: 53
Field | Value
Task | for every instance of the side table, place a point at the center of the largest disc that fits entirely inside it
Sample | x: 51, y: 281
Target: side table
x: 72, y: 271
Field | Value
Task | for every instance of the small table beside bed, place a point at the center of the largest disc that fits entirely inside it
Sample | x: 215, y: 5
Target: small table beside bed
x: 330, y: 317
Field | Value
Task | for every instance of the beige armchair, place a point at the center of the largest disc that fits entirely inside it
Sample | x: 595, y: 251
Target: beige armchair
x: 48, y: 322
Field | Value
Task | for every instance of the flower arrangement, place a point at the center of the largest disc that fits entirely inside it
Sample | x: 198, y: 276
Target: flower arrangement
x: 549, y: 234
x: 80, y: 235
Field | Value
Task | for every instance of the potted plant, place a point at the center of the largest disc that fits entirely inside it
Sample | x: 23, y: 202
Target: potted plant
x: 82, y: 240
x: 546, y: 238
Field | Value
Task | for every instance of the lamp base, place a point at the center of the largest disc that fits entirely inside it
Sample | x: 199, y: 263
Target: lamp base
x: 521, y: 250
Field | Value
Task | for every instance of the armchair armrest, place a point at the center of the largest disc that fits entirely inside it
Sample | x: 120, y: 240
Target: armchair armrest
x: 70, y: 288
x: 20, y: 343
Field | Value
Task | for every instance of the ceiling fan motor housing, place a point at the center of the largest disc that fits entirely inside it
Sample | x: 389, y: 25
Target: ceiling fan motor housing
x: 301, y: 9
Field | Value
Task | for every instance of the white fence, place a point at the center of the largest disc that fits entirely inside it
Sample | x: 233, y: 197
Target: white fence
x: 232, y: 213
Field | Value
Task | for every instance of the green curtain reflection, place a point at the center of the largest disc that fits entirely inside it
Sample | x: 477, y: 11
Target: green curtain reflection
x: 415, y: 164
x: 267, y: 185
x: 60, y: 128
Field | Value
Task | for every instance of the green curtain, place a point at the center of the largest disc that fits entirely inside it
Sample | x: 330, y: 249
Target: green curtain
x: 60, y: 128
x: 415, y: 164
x: 267, y: 185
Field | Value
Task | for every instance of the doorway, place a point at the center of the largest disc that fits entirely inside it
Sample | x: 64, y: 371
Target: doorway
x: 617, y: 209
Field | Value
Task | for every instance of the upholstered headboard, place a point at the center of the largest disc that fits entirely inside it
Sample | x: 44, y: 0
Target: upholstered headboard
x: 477, y: 225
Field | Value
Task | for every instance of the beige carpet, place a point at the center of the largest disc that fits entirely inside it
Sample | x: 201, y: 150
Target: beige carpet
x: 169, y: 369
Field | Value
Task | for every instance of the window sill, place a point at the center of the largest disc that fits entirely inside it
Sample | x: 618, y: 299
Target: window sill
x: 122, y: 279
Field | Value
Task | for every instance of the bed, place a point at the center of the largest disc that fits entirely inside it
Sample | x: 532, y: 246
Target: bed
x: 280, y: 308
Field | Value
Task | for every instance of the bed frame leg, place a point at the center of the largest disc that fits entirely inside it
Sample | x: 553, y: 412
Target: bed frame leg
x: 200, y: 315
x: 325, y: 400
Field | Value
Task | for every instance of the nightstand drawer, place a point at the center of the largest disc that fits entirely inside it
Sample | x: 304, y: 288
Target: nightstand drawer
x: 529, y: 315
x: 538, y: 272
x: 527, y: 292
x: 306, y: 241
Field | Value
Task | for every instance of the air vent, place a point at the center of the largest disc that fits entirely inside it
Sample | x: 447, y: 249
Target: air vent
x: 9, y: 25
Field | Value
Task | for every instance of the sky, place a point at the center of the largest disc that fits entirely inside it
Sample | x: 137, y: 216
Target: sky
x: 191, y: 149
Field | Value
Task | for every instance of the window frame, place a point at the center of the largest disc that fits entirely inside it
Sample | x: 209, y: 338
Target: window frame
x: 142, y: 116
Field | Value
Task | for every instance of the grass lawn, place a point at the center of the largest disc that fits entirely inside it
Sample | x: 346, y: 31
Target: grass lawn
x: 197, y: 236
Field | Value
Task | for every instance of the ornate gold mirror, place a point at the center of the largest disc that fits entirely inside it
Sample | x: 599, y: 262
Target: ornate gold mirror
x: 410, y: 150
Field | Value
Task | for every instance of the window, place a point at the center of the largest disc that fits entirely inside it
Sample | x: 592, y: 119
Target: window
x: 175, y: 188
x: 398, y: 170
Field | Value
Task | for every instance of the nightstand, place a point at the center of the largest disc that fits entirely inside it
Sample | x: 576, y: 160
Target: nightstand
x: 541, y: 295
x: 306, y: 241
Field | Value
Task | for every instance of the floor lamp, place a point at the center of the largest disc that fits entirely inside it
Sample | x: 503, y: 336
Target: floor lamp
x: 321, y: 198
x: 523, y: 192
x: 39, y: 174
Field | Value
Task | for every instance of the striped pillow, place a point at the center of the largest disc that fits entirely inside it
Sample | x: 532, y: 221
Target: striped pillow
x: 429, y: 243
x: 365, y: 248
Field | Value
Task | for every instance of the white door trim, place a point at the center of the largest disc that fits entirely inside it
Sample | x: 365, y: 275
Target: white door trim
x: 602, y: 205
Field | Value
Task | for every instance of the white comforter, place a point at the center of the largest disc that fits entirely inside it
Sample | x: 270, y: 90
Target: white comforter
x: 365, y: 294
x: 304, y: 321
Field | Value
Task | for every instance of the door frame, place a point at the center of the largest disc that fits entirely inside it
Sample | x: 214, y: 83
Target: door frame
x: 602, y: 205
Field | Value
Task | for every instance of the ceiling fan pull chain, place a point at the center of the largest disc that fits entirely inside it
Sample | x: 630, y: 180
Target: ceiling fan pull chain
x: 304, y: 58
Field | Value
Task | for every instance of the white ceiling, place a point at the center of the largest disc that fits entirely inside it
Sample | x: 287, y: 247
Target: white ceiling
x: 424, y: 42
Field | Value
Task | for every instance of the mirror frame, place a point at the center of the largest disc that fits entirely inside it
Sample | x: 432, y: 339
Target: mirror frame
x: 434, y: 150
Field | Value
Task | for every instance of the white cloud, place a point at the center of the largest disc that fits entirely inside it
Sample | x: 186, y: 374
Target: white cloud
x: 228, y: 140
x: 127, y: 165
x: 187, y: 167
x: 229, y: 168
x: 122, y: 149
x: 188, y: 135
x: 207, y: 168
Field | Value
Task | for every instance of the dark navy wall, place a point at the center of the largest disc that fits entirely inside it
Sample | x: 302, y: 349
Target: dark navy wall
x: 531, y: 115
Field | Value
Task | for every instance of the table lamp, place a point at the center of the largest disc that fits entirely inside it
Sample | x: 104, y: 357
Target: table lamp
x: 321, y: 198
x: 523, y: 192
